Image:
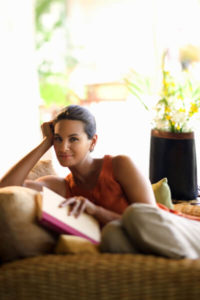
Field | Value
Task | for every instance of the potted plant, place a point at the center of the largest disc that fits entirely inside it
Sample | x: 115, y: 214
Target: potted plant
x: 172, y: 144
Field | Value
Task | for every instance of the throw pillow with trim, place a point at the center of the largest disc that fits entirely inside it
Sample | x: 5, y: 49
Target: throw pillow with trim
x: 162, y: 193
x: 20, y: 233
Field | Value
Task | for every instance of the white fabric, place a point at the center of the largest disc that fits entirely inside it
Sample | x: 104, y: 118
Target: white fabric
x: 152, y: 230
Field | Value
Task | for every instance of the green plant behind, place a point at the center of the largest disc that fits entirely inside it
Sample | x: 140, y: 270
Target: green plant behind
x: 53, y: 83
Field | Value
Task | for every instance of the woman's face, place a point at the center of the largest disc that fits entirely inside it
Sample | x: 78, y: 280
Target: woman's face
x: 71, y: 143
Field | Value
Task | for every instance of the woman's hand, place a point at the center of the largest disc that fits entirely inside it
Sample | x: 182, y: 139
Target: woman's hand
x: 47, y: 130
x: 79, y: 204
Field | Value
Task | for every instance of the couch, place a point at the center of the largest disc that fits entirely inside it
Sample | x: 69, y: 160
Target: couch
x: 95, y: 275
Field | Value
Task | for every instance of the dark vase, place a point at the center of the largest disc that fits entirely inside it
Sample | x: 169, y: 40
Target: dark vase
x: 173, y: 155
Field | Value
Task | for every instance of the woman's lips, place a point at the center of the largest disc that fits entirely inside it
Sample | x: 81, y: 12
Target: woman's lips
x: 65, y: 156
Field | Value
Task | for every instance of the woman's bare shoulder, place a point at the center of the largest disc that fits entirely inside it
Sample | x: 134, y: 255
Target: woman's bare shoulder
x: 121, y: 160
x: 132, y: 180
x: 123, y: 165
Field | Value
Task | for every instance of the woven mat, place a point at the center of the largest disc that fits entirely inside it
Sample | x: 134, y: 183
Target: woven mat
x: 100, y: 277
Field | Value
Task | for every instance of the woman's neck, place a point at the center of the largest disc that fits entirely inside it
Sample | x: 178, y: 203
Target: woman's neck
x: 87, y: 173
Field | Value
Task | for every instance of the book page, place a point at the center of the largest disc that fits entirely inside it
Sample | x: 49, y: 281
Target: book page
x: 85, y: 225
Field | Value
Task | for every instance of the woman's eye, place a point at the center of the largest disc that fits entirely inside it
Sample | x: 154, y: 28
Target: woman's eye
x: 73, y: 139
x: 57, y: 139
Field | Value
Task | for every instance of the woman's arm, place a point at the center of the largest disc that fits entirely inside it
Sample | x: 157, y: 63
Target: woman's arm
x: 136, y: 187
x: 104, y: 215
x: 17, y: 174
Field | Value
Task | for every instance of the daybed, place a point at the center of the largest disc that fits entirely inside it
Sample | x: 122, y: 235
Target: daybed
x: 95, y: 275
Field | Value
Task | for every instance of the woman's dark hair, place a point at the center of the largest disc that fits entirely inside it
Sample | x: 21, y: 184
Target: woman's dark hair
x: 79, y: 113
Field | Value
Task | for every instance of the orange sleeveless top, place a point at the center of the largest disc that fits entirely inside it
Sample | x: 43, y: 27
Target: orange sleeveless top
x: 107, y: 192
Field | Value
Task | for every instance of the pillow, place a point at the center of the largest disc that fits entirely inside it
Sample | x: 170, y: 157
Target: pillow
x: 162, y: 193
x: 42, y: 168
x: 20, y: 233
x: 74, y: 244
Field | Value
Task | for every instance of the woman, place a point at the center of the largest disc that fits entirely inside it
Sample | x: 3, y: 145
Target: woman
x: 109, y: 188
x: 73, y: 135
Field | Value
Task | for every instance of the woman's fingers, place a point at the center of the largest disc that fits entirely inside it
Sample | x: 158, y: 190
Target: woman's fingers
x: 67, y: 202
x: 77, y: 208
x: 76, y: 205
x: 47, y: 129
x: 81, y: 208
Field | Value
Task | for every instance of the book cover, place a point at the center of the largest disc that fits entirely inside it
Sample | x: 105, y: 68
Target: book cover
x: 57, y: 219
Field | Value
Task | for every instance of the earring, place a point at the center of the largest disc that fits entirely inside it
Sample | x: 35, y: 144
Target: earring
x: 92, y: 148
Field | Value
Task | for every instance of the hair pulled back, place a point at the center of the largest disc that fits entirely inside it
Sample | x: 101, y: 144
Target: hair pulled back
x: 78, y: 113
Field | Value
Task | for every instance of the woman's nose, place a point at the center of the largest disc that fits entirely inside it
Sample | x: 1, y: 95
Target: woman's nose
x: 65, y: 146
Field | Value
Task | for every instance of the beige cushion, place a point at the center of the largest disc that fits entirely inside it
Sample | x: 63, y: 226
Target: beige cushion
x: 42, y: 168
x: 74, y: 244
x: 20, y: 234
x: 162, y: 193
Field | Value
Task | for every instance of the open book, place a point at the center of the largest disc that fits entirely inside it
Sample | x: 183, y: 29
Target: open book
x: 57, y: 219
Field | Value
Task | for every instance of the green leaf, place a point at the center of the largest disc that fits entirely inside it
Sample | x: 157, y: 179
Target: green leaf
x: 132, y: 85
x: 139, y: 98
x: 196, y: 92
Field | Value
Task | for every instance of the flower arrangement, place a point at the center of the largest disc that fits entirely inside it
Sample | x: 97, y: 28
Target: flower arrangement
x: 177, y: 109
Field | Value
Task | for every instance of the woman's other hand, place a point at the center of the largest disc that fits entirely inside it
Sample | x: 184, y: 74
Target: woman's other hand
x: 78, y: 205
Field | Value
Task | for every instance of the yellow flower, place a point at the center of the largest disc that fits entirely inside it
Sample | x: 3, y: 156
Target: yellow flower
x: 180, y: 97
x: 173, y: 84
x: 193, y: 108
x: 168, y: 117
x: 182, y: 110
x: 166, y: 84
x: 167, y: 109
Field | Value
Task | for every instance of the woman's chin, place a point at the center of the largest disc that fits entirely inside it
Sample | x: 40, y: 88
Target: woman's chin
x: 65, y: 163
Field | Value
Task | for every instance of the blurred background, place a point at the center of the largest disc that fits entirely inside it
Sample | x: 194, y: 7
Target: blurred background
x: 60, y: 52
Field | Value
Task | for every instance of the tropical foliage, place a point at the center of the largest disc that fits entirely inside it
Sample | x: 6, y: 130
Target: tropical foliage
x: 53, y: 51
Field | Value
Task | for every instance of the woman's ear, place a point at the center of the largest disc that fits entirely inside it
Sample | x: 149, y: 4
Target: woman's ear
x: 93, y: 142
